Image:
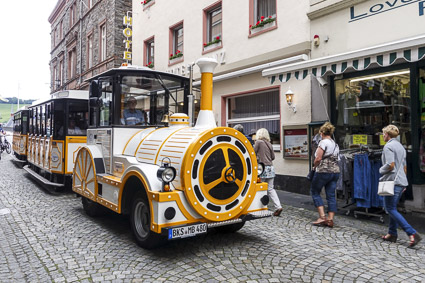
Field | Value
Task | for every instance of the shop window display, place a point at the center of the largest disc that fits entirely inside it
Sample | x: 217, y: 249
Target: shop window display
x: 367, y: 104
x: 422, y: 109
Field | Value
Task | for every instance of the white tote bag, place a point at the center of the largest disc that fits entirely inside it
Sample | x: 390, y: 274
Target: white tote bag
x: 386, y: 188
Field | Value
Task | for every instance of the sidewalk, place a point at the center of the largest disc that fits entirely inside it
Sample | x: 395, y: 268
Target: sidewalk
x: 417, y: 220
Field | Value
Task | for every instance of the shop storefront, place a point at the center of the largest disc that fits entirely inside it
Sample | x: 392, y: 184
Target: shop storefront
x: 365, y: 90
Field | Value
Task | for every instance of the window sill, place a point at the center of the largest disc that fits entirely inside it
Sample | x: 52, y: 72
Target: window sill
x: 263, y: 29
x: 175, y: 61
x: 212, y: 47
x: 148, y: 5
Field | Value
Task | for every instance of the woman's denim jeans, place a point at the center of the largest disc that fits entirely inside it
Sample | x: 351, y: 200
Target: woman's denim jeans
x: 327, y: 180
x: 396, y: 219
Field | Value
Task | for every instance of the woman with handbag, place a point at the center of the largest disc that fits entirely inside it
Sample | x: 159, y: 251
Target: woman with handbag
x: 394, y: 169
x: 326, y: 175
x: 265, y: 154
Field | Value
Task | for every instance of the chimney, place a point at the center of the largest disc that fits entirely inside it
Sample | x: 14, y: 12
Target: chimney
x: 206, y: 116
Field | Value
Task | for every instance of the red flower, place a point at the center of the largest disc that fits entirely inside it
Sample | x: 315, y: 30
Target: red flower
x: 171, y: 55
x: 258, y: 22
x: 262, y: 17
x: 205, y: 44
x: 270, y: 17
x: 144, y: 2
x: 250, y: 26
x: 150, y: 63
x: 178, y: 51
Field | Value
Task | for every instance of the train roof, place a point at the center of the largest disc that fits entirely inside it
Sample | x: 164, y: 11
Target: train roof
x: 133, y: 69
x: 64, y: 94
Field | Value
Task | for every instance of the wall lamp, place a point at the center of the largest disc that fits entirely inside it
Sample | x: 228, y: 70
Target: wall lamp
x: 290, y: 100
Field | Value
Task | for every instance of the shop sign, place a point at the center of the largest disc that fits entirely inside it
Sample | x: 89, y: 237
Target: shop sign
x: 360, y: 139
x: 128, y: 33
x: 295, y: 143
x: 382, y: 7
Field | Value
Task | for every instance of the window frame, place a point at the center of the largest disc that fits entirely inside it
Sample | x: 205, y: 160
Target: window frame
x: 102, y: 41
x: 275, y: 117
x: 148, y: 57
x: 207, y: 27
x: 172, y: 48
x: 253, y: 4
x: 90, y: 53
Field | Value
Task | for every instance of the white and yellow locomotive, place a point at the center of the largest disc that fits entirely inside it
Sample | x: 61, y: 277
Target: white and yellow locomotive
x: 175, y: 181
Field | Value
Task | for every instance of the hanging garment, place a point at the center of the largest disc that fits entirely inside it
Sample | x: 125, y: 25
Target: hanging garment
x: 362, y: 182
x: 376, y: 200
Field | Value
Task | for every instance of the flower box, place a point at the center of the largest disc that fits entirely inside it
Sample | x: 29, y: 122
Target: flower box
x: 212, y: 46
x: 174, y: 60
x: 266, y: 26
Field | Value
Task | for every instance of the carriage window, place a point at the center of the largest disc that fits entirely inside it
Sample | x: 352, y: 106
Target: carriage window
x: 24, y: 123
x: 58, y: 117
x: 77, y: 118
x: 17, y: 122
x: 106, y: 104
x: 42, y: 120
x: 48, y: 120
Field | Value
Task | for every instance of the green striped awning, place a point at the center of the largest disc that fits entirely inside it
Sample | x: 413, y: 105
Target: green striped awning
x: 352, y: 61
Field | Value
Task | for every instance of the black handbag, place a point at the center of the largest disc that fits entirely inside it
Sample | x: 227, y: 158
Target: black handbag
x: 311, y: 175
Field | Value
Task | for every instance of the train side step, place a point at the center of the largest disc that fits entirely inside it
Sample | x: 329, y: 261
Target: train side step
x: 40, y: 178
x: 15, y: 159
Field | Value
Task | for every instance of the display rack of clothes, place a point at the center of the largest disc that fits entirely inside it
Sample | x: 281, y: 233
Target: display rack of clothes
x: 358, y: 183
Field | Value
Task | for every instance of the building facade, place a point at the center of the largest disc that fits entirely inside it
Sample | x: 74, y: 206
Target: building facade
x: 87, y: 38
x: 367, y: 70
x: 246, y: 37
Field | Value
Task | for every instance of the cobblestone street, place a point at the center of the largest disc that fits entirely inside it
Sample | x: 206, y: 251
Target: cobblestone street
x: 47, y: 237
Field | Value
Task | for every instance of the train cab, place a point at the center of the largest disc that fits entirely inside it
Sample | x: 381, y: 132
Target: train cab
x: 145, y: 160
x: 20, y: 136
x: 56, y: 130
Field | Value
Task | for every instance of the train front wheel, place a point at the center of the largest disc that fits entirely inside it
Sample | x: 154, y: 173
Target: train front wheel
x: 140, y: 219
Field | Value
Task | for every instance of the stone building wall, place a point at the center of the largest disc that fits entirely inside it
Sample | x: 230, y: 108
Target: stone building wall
x: 110, y: 12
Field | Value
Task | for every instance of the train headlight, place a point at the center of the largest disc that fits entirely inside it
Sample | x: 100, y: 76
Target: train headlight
x: 260, y: 168
x: 166, y: 173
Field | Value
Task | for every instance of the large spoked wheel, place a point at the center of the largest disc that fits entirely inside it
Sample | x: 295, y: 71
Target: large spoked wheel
x: 84, y: 182
x: 140, y: 219
x: 8, y: 148
x: 232, y: 228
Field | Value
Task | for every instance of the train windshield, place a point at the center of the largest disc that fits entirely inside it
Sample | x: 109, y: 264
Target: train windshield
x: 145, y: 100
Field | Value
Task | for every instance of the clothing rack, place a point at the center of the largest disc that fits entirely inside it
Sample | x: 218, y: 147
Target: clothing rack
x: 349, y: 155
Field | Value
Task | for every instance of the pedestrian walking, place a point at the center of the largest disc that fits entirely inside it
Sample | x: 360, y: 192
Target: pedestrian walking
x: 265, y: 154
x: 326, y: 175
x: 394, y: 169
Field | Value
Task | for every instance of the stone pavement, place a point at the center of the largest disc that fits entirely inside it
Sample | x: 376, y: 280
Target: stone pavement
x: 47, y: 237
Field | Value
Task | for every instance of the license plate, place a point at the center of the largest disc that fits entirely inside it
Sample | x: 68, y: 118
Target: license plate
x: 187, y: 231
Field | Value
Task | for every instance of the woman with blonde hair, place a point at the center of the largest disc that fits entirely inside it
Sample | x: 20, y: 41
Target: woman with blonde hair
x: 394, y: 169
x: 326, y: 175
x: 265, y: 154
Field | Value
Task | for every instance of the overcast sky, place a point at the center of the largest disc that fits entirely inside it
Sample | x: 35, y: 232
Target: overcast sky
x: 25, y: 48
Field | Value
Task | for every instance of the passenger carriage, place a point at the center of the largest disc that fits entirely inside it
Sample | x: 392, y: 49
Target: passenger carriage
x: 57, y: 129
x: 173, y: 180
x: 20, y: 136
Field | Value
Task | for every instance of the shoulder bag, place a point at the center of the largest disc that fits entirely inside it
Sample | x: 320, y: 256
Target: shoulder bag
x: 310, y: 174
x: 386, y: 188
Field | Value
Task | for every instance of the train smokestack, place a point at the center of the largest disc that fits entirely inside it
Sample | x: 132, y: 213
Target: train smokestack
x: 206, y: 116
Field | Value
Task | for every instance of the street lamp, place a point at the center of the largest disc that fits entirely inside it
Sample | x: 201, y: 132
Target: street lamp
x: 290, y: 100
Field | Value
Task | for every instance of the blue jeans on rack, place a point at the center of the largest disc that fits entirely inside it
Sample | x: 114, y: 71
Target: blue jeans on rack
x: 362, y: 180
x: 396, y: 219
x: 327, y: 180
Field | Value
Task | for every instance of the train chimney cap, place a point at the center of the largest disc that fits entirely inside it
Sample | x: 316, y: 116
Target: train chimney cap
x: 207, y: 65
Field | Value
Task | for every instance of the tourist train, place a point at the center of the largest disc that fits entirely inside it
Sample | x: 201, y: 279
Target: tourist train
x: 144, y: 158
